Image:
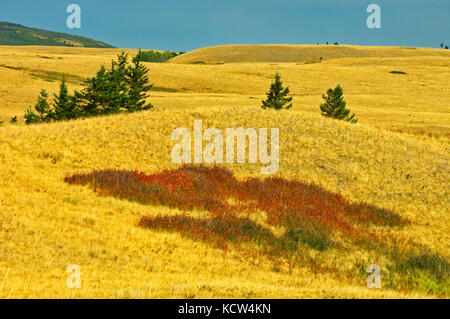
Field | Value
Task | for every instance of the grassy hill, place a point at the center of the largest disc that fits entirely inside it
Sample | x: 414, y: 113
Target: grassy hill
x: 396, y: 158
x: 297, y: 53
x: 16, y: 34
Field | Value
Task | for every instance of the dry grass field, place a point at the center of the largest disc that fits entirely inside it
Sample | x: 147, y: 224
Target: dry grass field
x: 396, y: 157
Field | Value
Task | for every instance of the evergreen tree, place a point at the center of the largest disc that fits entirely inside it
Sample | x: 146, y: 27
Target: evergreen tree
x: 276, y: 97
x: 94, y: 96
x: 334, y: 106
x: 138, y: 81
x: 31, y: 117
x: 43, y: 109
x: 108, y: 91
x: 118, y: 88
x: 64, y: 104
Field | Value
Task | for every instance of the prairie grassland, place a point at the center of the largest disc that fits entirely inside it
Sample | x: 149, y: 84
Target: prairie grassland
x: 47, y: 224
x: 415, y: 103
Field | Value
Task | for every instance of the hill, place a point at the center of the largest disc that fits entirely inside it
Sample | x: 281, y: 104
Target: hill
x: 16, y: 34
x: 296, y: 53
x: 395, y: 158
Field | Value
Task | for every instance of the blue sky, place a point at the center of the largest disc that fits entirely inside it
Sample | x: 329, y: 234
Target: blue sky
x: 183, y: 25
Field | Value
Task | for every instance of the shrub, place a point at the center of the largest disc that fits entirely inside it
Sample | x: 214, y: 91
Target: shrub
x: 334, y: 106
x: 276, y: 97
x: 13, y: 120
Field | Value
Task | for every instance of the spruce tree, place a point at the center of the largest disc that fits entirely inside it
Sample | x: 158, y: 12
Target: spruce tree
x: 120, y: 88
x: 43, y: 109
x: 109, y: 91
x: 334, y: 106
x: 276, y: 97
x: 138, y: 81
x: 64, y: 104
x: 94, y: 96
x: 117, y: 86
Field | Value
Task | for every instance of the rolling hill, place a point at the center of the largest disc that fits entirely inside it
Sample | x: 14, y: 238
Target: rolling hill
x: 16, y: 34
x: 297, y: 53
x: 395, y: 158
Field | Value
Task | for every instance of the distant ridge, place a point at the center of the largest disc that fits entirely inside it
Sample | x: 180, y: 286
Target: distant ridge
x: 16, y: 34
x: 296, y: 53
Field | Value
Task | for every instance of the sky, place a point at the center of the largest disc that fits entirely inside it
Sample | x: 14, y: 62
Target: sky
x: 184, y: 25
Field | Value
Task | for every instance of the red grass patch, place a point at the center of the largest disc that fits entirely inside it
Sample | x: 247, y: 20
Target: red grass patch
x: 308, y: 212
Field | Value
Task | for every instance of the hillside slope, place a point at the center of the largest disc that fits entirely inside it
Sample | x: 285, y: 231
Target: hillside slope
x: 16, y: 34
x: 46, y: 224
x: 297, y: 53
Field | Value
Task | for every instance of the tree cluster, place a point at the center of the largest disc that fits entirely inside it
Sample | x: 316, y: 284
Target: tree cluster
x: 158, y: 57
x: 122, y: 87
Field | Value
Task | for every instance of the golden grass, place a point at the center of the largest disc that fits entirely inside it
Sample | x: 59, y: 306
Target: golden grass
x: 46, y: 224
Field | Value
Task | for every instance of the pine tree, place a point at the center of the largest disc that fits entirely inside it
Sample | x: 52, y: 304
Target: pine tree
x: 138, y: 81
x: 276, y: 97
x: 334, y: 106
